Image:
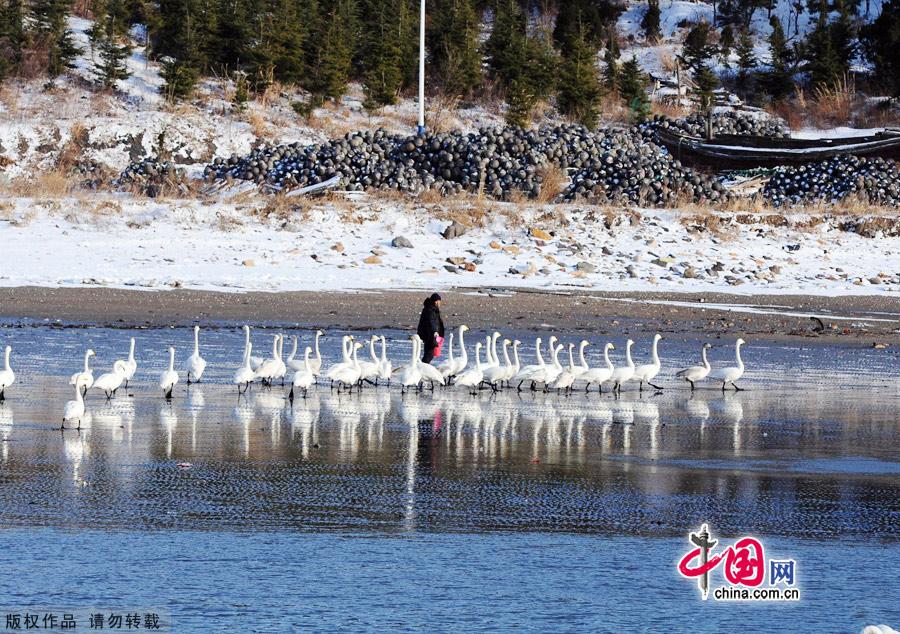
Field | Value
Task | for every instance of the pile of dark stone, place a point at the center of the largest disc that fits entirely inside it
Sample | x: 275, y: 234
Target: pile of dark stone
x: 92, y: 174
x: 152, y: 176
x: 610, y: 164
x: 874, y: 181
x: 727, y: 122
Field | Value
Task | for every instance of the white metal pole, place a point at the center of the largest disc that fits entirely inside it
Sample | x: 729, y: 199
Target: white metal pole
x: 421, y: 129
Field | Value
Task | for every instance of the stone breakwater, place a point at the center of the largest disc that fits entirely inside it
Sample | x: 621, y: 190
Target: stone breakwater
x: 873, y: 181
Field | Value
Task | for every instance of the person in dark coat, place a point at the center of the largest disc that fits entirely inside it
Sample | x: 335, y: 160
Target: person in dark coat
x: 430, y: 324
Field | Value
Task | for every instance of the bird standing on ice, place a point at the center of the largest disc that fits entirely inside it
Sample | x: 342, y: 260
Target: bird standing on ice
x: 646, y: 373
x: 110, y: 382
x: 696, y: 372
x: 74, y: 410
x: 85, y: 378
x: 732, y: 373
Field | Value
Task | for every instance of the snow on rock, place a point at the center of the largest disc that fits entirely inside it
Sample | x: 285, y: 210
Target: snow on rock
x: 120, y: 241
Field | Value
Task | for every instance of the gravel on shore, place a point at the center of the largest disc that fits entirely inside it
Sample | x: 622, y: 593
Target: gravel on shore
x: 856, y: 319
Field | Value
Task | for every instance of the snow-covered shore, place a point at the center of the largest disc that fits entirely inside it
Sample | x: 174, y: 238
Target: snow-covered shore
x: 120, y: 241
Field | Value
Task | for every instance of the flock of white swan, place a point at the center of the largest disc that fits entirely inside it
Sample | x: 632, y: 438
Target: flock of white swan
x: 487, y: 371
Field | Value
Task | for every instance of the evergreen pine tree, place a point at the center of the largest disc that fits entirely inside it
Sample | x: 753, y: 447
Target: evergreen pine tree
x: 505, y: 47
x: 586, y: 19
x: 726, y: 44
x: 633, y: 89
x: 520, y: 101
x: 111, y: 46
x: 611, y: 61
x: 455, y: 51
x: 579, y: 89
x: 778, y: 80
x: 696, y: 54
x: 51, y: 33
x: 881, y: 43
x: 12, y: 36
x: 384, y: 74
x: 650, y: 22
x: 241, y: 90
x: 746, y: 55
x: 333, y: 51
x: 824, y: 65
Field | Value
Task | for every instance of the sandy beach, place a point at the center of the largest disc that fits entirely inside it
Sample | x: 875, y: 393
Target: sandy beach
x: 853, y: 318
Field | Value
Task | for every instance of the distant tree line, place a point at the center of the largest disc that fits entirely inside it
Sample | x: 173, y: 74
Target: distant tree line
x: 530, y: 51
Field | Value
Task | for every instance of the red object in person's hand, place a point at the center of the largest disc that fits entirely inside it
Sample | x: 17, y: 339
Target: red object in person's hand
x: 439, y: 343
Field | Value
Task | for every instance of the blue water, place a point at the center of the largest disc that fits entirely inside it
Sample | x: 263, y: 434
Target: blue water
x: 443, y: 512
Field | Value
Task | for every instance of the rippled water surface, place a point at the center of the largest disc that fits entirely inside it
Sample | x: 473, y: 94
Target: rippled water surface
x: 443, y: 510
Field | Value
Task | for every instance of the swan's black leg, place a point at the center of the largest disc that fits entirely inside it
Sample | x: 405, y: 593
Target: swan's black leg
x: 656, y: 387
x: 692, y: 385
x: 736, y: 388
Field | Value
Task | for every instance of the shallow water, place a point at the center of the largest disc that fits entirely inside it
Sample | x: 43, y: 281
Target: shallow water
x: 385, y: 511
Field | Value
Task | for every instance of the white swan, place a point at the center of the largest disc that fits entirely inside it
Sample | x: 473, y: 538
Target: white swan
x: 696, y: 372
x: 346, y: 361
x: 130, y: 364
x: 245, y: 374
x: 555, y: 369
x: 385, y: 367
x: 566, y: 377
x: 269, y: 368
x: 647, y: 372
x: 316, y: 364
x: 599, y: 375
x: 496, y: 374
x: 349, y: 375
x: 524, y: 373
x: 582, y: 366
x: 86, y: 376
x: 411, y: 375
x: 74, y: 410
x: 196, y: 364
x: 623, y: 374
x: 472, y: 378
x: 169, y: 379
x: 110, y: 382
x: 369, y: 369
x: 7, y: 376
x: 255, y: 362
x: 731, y: 373
x: 280, y: 367
x: 304, y: 378
x: 429, y: 372
x: 447, y: 366
x: 463, y: 359
x: 493, y: 359
x: 293, y: 363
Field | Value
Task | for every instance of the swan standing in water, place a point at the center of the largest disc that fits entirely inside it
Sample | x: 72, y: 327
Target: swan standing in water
x: 304, y: 378
x: 472, y: 378
x: 195, y: 364
x: 496, y: 374
x: 524, y: 373
x: 411, y: 375
x: 255, y: 362
x: 245, y: 374
x: 625, y: 373
x: 566, y: 377
x: 316, y: 364
x: 385, y: 367
x: 731, y: 373
x: 269, y: 368
x: 646, y: 373
x: 599, y: 375
x: 349, y: 375
x: 696, y: 372
x: 130, y: 364
x: 110, y: 382
x: 368, y: 370
x: 169, y: 379
x: 74, y: 410
x: 293, y: 364
x: 281, y: 368
x: 85, y: 378
x: 429, y: 372
x: 447, y: 366
x: 7, y: 376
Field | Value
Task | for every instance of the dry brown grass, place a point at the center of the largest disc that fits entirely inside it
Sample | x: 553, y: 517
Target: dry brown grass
x: 53, y: 184
x: 834, y: 105
x: 668, y: 108
x: 441, y: 113
x: 553, y: 182
x: 258, y: 124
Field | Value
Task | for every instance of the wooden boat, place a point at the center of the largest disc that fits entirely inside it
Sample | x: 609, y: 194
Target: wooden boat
x: 729, y: 151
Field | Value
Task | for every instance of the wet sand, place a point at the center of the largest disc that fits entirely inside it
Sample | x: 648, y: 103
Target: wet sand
x: 871, y: 318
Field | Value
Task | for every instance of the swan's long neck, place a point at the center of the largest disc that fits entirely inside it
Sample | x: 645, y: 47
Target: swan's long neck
x: 383, y: 350
x: 737, y: 354
x: 78, y: 396
x: 609, y: 364
x: 462, y: 344
x: 275, y: 347
x: 478, y: 357
x: 556, y: 363
x: 705, y: 361
x: 540, y: 357
x: 584, y: 363
x: 415, y: 349
x: 196, y: 341
x: 280, y: 347
x: 293, y: 349
x: 489, y: 360
x: 506, y: 354
x: 516, y: 363
x: 171, y: 359
x: 306, y: 359
x: 347, y: 345
x: 451, y: 347
x: 87, y: 358
x: 131, y: 351
x: 355, y: 360
x: 318, y: 354
x: 628, y: 360
x: 496, y: 358
x: 571, y: 358
x: 247, y: 356
x: 6, y: 359
x: 247, y: 340
x: 372, y: 349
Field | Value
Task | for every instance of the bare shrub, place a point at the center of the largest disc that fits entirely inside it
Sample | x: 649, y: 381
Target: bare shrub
x: 553, y: 182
